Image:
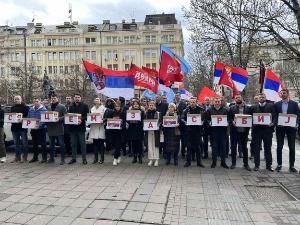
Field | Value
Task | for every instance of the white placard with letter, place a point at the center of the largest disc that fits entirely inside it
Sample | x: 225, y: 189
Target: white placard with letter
x: 72, y: 118
x: 13, y: 117
x: 261, y: 118
x: 113, y: 124
x: 193, y: 119
x: 243, y: 120
x: 133, y: 115
x: 287, y: 120
x: 170, y: 121
x: 30, y: 123
x: 150, y: 124
x: 49, y: 116
x: 219, y: 121
x: 94, y: 118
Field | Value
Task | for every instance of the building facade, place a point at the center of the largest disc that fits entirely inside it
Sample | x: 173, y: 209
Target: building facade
x: 58, y: 49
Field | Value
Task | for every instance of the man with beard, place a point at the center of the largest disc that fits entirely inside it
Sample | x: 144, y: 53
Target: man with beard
x: 67, y: 138
x: 239, y: 133
x: 263, y: 133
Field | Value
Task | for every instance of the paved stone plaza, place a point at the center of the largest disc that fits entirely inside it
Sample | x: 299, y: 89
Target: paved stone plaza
x: 130, y: 194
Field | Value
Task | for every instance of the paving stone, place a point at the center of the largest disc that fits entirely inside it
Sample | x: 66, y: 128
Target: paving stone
x: 218, y: 222
x: 111, y: 214
x: 59, y: 220
x: 81, y: 221
x: 255, y: 208
x: 137, y: 206
x: 194, y: 212
x: 195, y: 220
x: 84, y: 203
x: 217, y: 214
x: 5, y: 215
x: 105, y: 222
x: 4, y: 205
x: 239, y: 216
x: 20, y: 218
x: 63, y: 201
x: 261, y: 217
x: 35, y: 209
x: 91, y: 213
x: 40, y: 220
x: 72, y: 212
x: 117, y: 205
x: 53, y: 210
x: 18, y: 207
x: 100, y: 204
x: 131, y: 215
x: 152, y: 217
x: 153, y: 207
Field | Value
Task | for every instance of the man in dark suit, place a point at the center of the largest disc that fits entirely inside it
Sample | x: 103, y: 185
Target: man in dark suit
x: 239, y: 134
x: 286, y: 106
x: 181, y: 106
x: 263, y: 132
x: 162, y: 108
x: 207, y: 129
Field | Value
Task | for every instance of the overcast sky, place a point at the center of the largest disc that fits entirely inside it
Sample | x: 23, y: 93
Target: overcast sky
x: 20, y: 12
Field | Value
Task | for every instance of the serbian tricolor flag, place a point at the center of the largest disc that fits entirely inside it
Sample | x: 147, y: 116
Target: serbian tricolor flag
x: 206, y: 92
x: 273, y: 86
x: 170, y: 68
x: 239, y: 76
x: 184, y: 93
x: 143, y: 79
x: 225, y: 79
x: 110, y: 82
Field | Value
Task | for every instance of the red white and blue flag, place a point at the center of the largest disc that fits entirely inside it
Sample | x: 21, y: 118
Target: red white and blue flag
x: 272, y: 86
x: 109, y: 82
x: 184, y: 93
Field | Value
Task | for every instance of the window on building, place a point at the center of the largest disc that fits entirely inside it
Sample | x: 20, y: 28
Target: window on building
x: 66, y: 82
x: 150, y: 53
x: 90, y: 54
x: 74, y: 55
x: 2, y: 58
x: 66, y: 55
x: 49, y: 69
x: 33, y: 43
x: 154, y: 66
x: 2, y: 71
x: 15, y: 71
x: 66, y: 69
x: 50, y: 56
x: 66, y: 41
x: 150, y: 38
x: 75, y: 41
x: 148, y: 65
x: 54, y: 56
x: 33, y: 56
x: 61, y: 83
x: 60, y: 42
x: 168, y: 37
x: 54, y: 69
x: 61, y: 56
x: 90, y: 41
x: 38, y: 43
x: 14, y: 57
x: 112, y: 54
x: 111, y: 40
x: 127, y: 67
x: 126, y: 40
x: 61, y: 69
x: 39, y: 56
x: 129, y: 54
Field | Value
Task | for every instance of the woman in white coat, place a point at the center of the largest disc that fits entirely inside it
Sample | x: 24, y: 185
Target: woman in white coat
x: 97, y: 132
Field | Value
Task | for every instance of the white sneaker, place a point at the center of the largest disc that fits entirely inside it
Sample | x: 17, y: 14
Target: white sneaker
x: 150, y: 162
x: 156, y: 162
x: 115, y: 162
x: 119, y: 159
x: 3, y: 160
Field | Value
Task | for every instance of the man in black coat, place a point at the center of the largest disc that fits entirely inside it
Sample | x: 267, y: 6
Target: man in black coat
x: 286, y: 106
x: 239, y: 134
x: 77, y: 132
x: 162, y: 108
x: 263, y: 133
x: 180, y: 107
x: 2, y: 144
x: 193, y: 133
x: 207, y: 130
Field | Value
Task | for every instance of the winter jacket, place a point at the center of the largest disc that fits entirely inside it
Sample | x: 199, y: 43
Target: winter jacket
x: 19, y: 108
x: 97, y: 131
x: 171, y: 137
x: 190, y: 110
x: 135, y: 130
x: 83, y: 110
x: 2, y: 111
x: 33, y: 113
x: 213, y: 111
x: 153, y: 114
x: 57, y: 128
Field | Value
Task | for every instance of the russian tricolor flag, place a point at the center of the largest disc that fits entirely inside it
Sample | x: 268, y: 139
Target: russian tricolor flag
x: 239, y: 76
x: 184, y: 93
x: 109, y: 82
x: 273, y: 86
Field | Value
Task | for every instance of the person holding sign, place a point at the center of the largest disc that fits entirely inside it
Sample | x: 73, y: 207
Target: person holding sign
x: 286, y: 106
x: 18, y: 132
x: 218, y: 131
x: 153, y: 135
x: 77, y: 132
x: 172, y: 137
x: 2, y: 145
x: 136, y: 132
x: 263, y: 132
x: 97, y: 132
x: 194, y: 132
x: 55, y: 130
x: 239, y: 133
x: 38, y: 135
x: 118, y: 136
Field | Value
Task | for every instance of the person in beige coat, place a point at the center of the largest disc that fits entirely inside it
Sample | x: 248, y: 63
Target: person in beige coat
x: 97, y: 132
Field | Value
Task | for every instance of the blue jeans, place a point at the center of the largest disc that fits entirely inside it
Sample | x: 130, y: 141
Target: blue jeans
x: 17, y: 136
x: 75, y: 138
x: 218, y: 146
x: 61, y: 145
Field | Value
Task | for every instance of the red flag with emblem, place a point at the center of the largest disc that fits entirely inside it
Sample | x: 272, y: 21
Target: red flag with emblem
x: 143, y: 79
x: 155, y: 73
x: 170, y: 69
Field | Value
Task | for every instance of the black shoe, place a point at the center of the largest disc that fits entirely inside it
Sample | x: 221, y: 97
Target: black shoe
x: 44, y: 161
x: 134, y: 160
x: 213, y: 165
x: 167, y: 163
x: 101, y: 161
x: 241, y: 155
x: 200, y: 165
x: 270, y: 169
x: 33, y: 160
x: 62, y: 162
x: 130, y: 155
x: 251, y: 157
x: 84, y: 161
x: 232, y: 167
x: 247, y: 168
x: 278, y: 168
x: 140, y: 161
x: 205, y: 157
x: 187, y: 165
x: 256, y: 168
x: 293, y: 170
x: 72, y: 161
x: 95, y: 161
x: 224, y: 165
x: 50, y: 161
x: 183, y: 155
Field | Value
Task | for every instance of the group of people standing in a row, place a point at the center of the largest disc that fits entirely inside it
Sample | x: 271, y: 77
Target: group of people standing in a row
x: 191, y: 141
